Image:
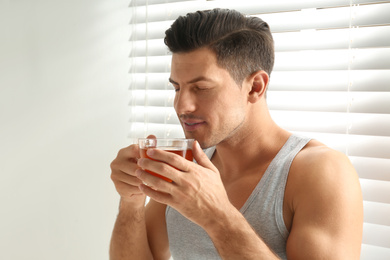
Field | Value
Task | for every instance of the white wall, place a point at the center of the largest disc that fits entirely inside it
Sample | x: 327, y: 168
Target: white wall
x: 63, y: 116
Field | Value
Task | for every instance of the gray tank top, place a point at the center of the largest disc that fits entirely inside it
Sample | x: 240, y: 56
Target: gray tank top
x: 263, y: 210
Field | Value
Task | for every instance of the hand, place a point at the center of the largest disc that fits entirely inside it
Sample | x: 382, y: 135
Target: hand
x: 196, y: 191
x: 123, y: 175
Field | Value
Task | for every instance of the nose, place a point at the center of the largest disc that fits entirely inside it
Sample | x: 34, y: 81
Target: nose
x: 185, y: 102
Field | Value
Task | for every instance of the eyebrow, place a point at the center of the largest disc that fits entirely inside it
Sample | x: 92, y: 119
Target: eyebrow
x: 201, y: 78
x: 173, y: 82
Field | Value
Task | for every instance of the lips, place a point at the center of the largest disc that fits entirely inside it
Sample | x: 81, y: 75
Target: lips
x: 191, y: 125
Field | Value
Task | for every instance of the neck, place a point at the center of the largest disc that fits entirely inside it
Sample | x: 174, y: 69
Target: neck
x: 254, y: 146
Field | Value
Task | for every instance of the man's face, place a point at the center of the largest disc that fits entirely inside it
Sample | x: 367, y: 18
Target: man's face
x: 210, y: 105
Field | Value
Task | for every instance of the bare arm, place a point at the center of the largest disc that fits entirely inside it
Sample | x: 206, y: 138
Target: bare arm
x: 328, y: 207
x: 157, y: 230
x: 139, y: 231
x: 129, y: 238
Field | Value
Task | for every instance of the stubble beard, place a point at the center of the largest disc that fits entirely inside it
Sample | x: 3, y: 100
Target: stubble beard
x: 213, y: 138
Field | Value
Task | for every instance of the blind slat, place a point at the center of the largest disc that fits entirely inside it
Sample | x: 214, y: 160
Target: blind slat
x: 138, y: 130
x: 364, y: 15
x: 359, y: 59
x: 330, y: 80
x: 362, y: 37
x: 153, y: 47
x: 334, y: 122
x: 370, y: 80
x: 370, y: 102
x: 152, y: 64
x: 376, y: 235
x: 373, y: 190
x: 152, y: 80
x: 328, y: 101
x: 331, y: 101
x: 155, y: 98
x: 365, y: 37
x: 371, y: 252
x: 370, y: 146
x: 173, y: 9
x: 154, y: 2
x: 376, y: 213
x: 372, y: 168
x: 361, y: 124
x: 353, y: 145
x: 158, y: 115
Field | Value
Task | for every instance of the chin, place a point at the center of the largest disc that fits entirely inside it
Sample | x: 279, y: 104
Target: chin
x: 204, y: 144
x: 204, y: 141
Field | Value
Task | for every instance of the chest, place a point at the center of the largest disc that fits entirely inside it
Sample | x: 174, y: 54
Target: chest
x: 241, y: 189
x: 247, y: 188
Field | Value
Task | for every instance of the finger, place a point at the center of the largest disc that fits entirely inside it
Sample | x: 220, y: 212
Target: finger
x: 151, y: 137
x: 175, y: 160
x: 119, y: 176
x: 168, y: 165
x: 130, y: 152
x: 125, y: 184
x: 201, y: 158
x: 126, y: 190
x: 158, y: 196
x: 126, y: 160
x: 156, y: 182
x: 127, y: 167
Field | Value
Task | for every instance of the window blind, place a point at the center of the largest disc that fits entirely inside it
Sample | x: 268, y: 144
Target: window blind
x: 330, y: 82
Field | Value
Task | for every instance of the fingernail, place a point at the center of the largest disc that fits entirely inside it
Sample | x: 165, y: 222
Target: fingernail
x: 139, y: 162
x: 150, y: 152
x: 138, y: 172
x: 198, y: 145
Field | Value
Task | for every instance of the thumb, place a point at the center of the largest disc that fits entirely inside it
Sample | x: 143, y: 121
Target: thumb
x: 201, y: 158
x: 151, y: 136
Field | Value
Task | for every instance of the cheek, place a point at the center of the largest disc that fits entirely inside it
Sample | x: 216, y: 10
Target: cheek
x: 235, y: 112
x: 226, y: 110
x: 174, y: 102
x: 231, y: 102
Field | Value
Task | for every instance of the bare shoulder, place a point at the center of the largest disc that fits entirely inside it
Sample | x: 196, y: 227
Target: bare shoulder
x: 324, y: 197
x: 321, y: 171
x: 317, y: 164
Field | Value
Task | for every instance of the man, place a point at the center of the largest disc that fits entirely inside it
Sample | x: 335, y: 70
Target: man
x: 260, y: 192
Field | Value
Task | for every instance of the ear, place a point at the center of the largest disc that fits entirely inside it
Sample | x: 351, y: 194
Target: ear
x: 258, y: 82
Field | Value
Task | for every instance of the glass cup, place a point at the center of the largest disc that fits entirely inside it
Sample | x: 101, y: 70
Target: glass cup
x: 179, y: 146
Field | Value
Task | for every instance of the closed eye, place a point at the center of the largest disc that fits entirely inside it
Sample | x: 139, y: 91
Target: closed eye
x: 174, y: 84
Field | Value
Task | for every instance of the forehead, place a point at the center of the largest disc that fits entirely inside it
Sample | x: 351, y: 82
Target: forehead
x: 198, y: 63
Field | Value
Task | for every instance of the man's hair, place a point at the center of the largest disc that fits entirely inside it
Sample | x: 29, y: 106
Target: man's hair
x: 242, y: 44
